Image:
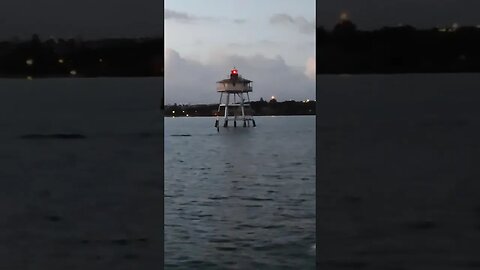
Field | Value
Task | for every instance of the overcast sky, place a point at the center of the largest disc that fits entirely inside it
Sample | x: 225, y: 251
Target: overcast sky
x: 144, y: 17
x: 271, y: 42
x: 88, y: 18
x: 370, y: 14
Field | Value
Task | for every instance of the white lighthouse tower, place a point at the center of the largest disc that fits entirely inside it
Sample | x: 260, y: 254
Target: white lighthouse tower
x: 234, y: 100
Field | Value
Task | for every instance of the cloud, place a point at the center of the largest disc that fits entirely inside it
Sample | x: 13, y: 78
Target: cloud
x: 281, y: 18
x: 239, y: 21
x: 263, y: 42
x: 310, y: 68
x: 189, y: 81
x: 303, y: 25
x: 189, y: 18
x: 184, y: 17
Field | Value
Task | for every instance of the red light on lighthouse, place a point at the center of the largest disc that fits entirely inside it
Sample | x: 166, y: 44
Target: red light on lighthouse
x: 234, y: 71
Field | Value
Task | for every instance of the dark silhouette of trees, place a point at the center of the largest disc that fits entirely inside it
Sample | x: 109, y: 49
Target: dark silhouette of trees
x: 401, y: 49
x: 345, y: 28
x: 258, y: 107
x: 57, y: 58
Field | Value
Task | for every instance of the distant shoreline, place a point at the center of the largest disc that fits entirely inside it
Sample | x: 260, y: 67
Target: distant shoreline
x: 397, y: 50
x: 259, y: 108
x: 47, y: 58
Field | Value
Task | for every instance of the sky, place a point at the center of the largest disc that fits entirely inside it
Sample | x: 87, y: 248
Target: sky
x: 99, y: 18
x: 86, y: 18
x: 373, y: 14
x: 271, y: 42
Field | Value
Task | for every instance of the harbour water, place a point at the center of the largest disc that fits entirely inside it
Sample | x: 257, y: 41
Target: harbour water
x: 242, y: 198
x: 397, y: 185
x: 80, y: 176
x: 397, y: 175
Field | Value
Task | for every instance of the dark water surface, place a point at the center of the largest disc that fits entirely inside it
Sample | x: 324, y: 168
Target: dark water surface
x: 80, y: 177
x: 243, y: 198
x: 398, y: 172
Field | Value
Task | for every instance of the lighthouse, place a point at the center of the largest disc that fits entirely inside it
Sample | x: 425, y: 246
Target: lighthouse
x: 234, y: 100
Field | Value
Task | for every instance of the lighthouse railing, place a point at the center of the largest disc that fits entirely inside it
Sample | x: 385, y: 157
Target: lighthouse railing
x: 231, y: 87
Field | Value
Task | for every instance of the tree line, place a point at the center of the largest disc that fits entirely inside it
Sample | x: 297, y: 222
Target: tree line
x: 401, y: 49
x: 76, y: 57
x: 260, y: 107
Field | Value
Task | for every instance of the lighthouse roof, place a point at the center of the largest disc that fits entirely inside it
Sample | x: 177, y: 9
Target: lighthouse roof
x: 236, y: 80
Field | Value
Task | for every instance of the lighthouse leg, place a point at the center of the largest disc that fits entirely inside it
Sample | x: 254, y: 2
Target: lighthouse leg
x: 220, y: 103
x: 225, y: 124
x: 243, y: 109
x: 218, y: 111
x: 242, y: 106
